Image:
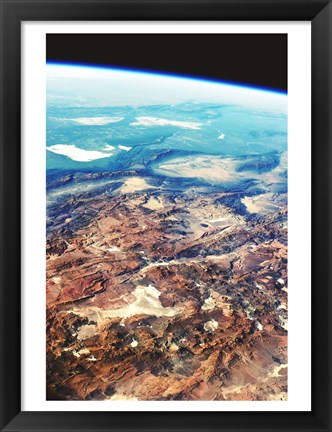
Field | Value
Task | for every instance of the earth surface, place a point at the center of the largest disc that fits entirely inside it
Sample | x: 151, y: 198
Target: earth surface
x: 166, y: 238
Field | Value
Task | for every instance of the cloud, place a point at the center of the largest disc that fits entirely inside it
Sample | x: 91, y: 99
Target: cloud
x: 96, y: 121
x: 122, y: 147
x: 77, y: 154
x: 153, y: 121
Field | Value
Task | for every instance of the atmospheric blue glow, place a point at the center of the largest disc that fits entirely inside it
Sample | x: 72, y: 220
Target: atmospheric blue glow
x: 167, y: 74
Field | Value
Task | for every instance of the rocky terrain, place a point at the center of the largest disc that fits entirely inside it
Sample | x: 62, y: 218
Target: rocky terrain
x: 162, y: 290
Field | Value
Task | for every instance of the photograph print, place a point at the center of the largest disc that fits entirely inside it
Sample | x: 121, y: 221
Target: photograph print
x: 166, y: 217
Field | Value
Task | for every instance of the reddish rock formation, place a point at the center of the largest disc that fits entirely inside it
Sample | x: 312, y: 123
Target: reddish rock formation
x: 165, y: 296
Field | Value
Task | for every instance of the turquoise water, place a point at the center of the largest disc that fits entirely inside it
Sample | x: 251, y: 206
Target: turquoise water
x: 115, y: 116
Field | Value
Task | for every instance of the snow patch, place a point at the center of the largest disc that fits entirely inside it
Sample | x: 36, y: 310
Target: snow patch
x: 259, y: 326
x: 211, y: 326
x: 209, y: 304
x: 92, y: 358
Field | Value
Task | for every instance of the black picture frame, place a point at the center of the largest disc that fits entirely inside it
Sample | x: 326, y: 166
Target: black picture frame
x: 13, y: 12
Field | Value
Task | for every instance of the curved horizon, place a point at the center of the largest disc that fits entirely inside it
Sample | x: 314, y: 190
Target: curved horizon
x: 168, y: 75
